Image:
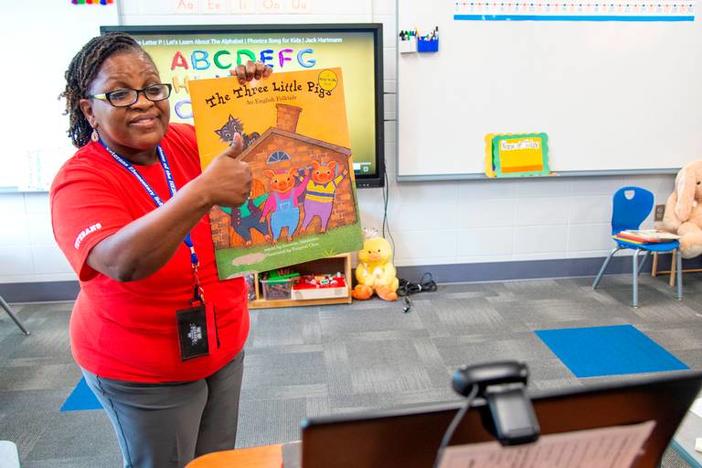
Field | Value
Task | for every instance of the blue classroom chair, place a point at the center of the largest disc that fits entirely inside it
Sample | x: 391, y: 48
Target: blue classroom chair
x: 12, y: 315
x: 630, y: 207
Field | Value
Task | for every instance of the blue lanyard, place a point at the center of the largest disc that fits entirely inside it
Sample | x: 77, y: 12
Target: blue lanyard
x: 154, y: 196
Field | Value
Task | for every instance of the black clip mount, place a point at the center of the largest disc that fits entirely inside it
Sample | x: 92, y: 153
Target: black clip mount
x: 502, y: 384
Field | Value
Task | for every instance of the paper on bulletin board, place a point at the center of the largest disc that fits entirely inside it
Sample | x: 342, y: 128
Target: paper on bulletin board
x: 516, y: 155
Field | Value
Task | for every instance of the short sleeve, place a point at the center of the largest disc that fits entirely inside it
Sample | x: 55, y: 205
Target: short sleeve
x: 85, y: 209
x: 182, y: 139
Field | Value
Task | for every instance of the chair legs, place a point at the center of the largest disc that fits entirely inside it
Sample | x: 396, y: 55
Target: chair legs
x: 604, y: 267
x: 635, y: 279
x: 12, y: 315
x: 678, y: 272
x: 636, y: 267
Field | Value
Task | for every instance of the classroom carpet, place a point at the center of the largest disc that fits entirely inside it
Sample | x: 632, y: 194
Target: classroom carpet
x: 609, y: 350
x: 326, y: 360
x: 81, y: 398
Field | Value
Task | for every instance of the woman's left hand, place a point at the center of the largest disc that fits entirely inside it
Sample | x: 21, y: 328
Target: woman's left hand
x: 251, y: 71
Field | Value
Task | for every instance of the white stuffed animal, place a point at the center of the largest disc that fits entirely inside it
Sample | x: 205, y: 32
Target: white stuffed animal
x: 683, y: 212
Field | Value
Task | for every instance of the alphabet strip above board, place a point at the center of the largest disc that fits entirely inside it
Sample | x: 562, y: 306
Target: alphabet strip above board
x: 538, y: 10
x: 613, y: 96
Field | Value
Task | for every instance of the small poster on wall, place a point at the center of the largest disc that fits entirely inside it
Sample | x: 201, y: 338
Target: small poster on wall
x: 516, y: 155
x: 303, y: 203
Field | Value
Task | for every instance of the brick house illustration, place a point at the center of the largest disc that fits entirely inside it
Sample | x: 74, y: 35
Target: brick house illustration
x: 280, y: 149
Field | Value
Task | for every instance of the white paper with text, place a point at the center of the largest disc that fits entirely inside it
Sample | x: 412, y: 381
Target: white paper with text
x: 614, y: 447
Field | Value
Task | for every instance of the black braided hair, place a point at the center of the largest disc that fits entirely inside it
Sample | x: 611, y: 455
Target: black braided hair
x: 82, y: 71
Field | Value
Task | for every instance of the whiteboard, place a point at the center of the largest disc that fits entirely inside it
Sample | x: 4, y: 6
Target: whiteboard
x: 38, y: 40
x: 613, y: 96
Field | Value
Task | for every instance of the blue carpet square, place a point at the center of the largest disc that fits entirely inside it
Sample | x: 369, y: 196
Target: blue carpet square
x: 612, y: 350
x: 81, y: 398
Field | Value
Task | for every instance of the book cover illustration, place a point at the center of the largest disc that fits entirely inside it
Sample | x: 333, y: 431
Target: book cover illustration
x: 303, y: 203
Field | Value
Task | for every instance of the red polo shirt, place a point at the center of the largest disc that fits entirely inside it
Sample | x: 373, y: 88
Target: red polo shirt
x: 128, y: 330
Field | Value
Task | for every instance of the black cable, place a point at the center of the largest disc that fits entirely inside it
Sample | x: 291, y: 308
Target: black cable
x: 386, y: 201
x: 386, y: 227
x: 425, y: 284
x: 454, y: 424
x: 405, y: 289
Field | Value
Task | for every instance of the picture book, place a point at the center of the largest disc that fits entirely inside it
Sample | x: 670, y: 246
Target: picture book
x: 303, y: 203
x: 645, y: 236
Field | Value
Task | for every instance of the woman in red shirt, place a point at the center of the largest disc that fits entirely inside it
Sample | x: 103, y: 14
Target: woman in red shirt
x: 158, y: 336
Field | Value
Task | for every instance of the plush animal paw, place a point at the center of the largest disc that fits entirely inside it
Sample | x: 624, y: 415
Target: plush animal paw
x: 386, y: 293
x: 362, y: 292
x: 689, y: 248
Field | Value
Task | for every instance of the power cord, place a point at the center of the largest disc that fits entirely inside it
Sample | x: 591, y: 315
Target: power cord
x: 386, y: 201
x: 406, y: 288
x: 446, y: 439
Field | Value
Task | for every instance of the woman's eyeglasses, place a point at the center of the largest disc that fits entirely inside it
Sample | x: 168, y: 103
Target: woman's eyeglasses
x: 125, y: 97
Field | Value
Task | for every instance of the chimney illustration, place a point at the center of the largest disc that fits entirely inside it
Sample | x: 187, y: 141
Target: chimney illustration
x: 287, y: 117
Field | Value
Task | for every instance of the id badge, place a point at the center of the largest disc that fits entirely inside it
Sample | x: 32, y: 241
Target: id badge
x: 192, y: 332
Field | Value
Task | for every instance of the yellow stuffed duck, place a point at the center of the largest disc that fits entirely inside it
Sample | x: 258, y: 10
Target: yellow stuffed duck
x: 375, y: 272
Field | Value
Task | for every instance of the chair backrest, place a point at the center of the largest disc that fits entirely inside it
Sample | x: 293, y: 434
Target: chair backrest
x: 630, y: 207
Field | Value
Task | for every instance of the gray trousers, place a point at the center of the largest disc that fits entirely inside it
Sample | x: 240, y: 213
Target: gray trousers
x: 167, y: 425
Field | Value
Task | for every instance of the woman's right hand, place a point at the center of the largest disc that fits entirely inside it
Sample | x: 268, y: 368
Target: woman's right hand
x: 143, y: 246
x: 227, y: 180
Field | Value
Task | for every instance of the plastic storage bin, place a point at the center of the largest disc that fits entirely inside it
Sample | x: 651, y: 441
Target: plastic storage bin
x: 274, y: 289
x: 427, y: 45
x: 250, y: 287
x: 320, y: 287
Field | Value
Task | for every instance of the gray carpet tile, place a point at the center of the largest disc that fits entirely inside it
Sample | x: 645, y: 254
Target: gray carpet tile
x: 322, y: 360
x: 288, y: 367
x: 345, y: 321
x: 37, y: 377
x: 271, y: 421
x: 385, y: 367
x: 691, y: 357
x: 280, y: 327
x: 671, y: 459
x: 91, y: 461
x: 285, y: 392
x: 61, y: 443
x: 317, y: 406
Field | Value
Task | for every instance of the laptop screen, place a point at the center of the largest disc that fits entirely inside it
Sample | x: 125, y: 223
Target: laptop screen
x: 409, y: 437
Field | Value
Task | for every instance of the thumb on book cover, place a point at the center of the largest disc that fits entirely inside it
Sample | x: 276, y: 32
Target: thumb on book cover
x: 236, y: 147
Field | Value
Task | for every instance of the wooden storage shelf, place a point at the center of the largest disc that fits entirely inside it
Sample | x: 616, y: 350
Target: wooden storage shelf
x: 329, y: 265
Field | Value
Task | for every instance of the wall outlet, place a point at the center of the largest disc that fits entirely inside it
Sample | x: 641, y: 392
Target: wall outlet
x: 658, y: 215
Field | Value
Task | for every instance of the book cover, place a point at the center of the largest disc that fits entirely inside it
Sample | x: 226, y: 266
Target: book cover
x: 647, y: 236
x: 617, y: 237
x: 303, y: 203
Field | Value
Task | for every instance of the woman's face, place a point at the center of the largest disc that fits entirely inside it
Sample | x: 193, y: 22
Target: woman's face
x: 135, y: 131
